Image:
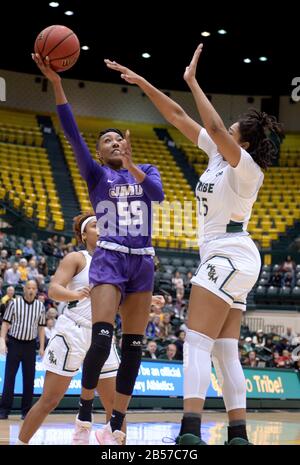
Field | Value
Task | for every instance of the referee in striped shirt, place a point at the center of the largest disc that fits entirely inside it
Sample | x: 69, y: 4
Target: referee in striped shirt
x: 23, y: 320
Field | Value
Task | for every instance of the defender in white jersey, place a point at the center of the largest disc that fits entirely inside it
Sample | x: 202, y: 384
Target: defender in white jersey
x: 66, y: 350
x: 230, y: 262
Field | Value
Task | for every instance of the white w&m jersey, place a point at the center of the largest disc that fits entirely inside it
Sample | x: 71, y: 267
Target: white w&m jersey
x: 225, y: 195
x: 80, y: 311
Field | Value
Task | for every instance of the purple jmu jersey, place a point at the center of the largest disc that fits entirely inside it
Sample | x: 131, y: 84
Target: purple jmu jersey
x: 122, y: 205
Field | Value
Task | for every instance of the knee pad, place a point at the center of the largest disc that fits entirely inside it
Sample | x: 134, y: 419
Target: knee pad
x: 229, y: 372
x: 97, y: 354
x: 197, y: 349
x: 131, y: 355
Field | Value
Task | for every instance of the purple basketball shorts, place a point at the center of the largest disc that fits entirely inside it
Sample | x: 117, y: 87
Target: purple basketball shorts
x: 130, y: 273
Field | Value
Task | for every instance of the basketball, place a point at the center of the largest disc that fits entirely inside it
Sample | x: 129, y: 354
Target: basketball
x: 60, y: 44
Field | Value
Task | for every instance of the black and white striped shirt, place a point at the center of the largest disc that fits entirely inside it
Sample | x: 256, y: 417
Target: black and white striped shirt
x: 25, y: 318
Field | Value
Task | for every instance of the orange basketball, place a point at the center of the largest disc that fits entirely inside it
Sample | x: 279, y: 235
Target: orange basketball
x: 60, y: 44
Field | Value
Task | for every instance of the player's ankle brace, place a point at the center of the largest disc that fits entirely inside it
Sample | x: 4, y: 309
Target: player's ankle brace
x: 97, y: 354
x: 131, y: 355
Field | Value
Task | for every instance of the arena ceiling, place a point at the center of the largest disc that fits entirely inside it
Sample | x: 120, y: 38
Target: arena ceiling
x: 169, y: 32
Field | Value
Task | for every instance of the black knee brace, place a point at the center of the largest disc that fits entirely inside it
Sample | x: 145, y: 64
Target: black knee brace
x: 97, y: 354
x: 131, y: 355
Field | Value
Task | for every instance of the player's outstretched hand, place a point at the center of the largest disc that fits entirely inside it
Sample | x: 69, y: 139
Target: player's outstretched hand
x: 45, y: 67
x: 126, y: 73
x: 190, y: 71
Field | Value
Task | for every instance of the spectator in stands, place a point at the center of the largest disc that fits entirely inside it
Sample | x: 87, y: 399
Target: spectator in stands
x: 48, y: 247
x: 4, y: 255
x: 165, y: 326
x: 18, y: 254
x: 3, y: 268
x: 177, y: 282
x: 62, y: 243
x: 49, y: 330
x: 290, y: 335
x: 48, y: 303
x: 170, y: 353
x: 180, y: 309
x: 32, y: 269
x: 151, y: 351
x: 248, y: 345
x: 169, y: 307
x: 283, y: 344
x: 296, y: 340
x: 258, y: 339
x: 156, y: 322
x: 52, y: 313
x: 42, y: 266
x: 269, y: 343
x: 10, y: 292
x: 286, y: 357
x: 252, y: 359
x: 22, y: 268
x: 275, y: 279
x: 187, y: 280
x: 42, y: 287
x: 282, y: 361
x: 12, y: 276
x: 28, y: 250
x: 156, y: 309
x: 151, y: 330
x: 5, y: 300
x: 1, y: 288
x: 272, y: 363
x: 288, y: 279
x: 288, y: 265
x: 180, y: 334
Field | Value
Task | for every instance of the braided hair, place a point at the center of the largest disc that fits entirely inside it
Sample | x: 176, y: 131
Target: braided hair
x: 264, y: 135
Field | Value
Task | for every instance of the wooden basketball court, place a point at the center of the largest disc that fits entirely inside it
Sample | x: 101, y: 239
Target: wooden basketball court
x: 159, y: 427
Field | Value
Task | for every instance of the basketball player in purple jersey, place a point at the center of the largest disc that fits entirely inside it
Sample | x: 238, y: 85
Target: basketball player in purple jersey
x: 122, y: 267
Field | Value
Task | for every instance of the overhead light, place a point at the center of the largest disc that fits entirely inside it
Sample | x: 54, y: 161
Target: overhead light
x: 205, y: 34
x: 247, y: 60
x: 222, y: 31
x: 85, y: 47
x: 54, y: 4
x: 69, y: 13
x: 146, y: 55
x: 263, y: 59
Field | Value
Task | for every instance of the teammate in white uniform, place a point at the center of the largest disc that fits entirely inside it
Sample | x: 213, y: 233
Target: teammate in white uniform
x: 66, y: 350
x: 230, y: 262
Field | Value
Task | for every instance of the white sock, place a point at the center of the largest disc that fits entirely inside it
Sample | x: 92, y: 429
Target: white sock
x: 230, y: 373
x: 196, y: 364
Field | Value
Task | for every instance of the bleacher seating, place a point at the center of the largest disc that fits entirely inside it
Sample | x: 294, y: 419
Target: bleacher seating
x: 26, y: 179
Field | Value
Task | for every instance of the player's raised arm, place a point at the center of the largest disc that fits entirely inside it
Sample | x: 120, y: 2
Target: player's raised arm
x: 89, y: 169
x: 213, y: 123
x: 170, y: 110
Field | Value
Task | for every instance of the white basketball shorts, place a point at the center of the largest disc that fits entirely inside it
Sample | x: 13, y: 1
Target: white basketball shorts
x: 66, y: 350
x: 229, y: 268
